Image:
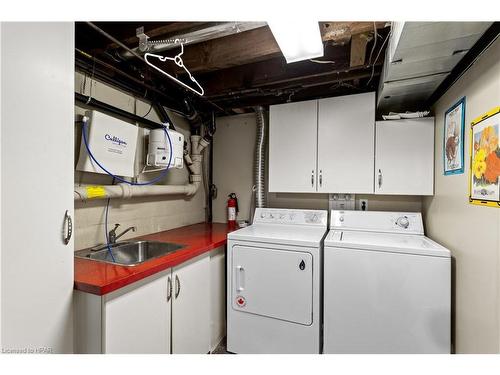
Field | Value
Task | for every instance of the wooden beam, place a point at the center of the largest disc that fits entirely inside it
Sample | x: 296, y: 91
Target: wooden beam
x: 358, y: 49
x: 271, y: 71
x: 243, y: 102
x: 330, y: 79
x: 341, y: 32
x: 258, y: 45
x: 237, y: 49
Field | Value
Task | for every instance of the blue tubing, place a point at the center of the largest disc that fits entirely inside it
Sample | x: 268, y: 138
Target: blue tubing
x: 115, y: 177
x: 156, y: 179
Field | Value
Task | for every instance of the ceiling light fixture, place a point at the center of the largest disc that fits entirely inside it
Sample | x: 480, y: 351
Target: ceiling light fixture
x: 298, y: 40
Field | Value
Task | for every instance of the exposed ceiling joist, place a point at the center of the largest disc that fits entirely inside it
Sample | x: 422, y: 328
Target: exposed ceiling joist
x: 243, y: 68
x: 196, y: 35
x: 341, y: 32
x: 326, y: 79
x: 258, y: 44
x: 358, y: 49
x: 271, y: 71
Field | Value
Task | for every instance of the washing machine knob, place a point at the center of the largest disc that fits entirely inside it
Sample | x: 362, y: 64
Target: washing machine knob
x: 341, y: 219
x: 403, y: 222
x: 262, y: 215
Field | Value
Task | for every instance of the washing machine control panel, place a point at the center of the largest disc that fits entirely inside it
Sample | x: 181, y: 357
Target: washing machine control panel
x: 286, y: 216
x: 393, y: 222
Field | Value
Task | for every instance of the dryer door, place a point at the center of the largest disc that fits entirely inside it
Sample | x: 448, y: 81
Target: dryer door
x: 273, y: 283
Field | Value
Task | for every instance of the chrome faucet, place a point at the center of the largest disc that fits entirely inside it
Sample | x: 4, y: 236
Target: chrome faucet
x: 112, y: 236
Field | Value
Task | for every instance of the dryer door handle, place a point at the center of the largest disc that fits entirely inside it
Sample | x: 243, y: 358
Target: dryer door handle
x: 240, y: 278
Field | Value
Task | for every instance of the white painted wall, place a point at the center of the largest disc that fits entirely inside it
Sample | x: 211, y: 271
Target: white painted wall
x: 471, y: 232
x: 148, y: 214
x: 234, y: 146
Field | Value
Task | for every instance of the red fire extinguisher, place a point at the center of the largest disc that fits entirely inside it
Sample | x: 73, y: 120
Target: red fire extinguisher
x: 232, y: 209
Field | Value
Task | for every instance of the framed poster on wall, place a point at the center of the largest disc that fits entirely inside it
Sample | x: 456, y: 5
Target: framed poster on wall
x: 485, y: 159
x: 454, y: 134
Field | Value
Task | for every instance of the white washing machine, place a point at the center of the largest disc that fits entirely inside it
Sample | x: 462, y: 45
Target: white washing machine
x: 274, y: 281
x: 387, y: 287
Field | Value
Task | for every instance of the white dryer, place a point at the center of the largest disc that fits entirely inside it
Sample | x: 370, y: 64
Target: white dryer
x: 387, y: 287
x: 274, y: 281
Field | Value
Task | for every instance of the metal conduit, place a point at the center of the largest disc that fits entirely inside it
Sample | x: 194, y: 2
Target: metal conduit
x: 260, y: 159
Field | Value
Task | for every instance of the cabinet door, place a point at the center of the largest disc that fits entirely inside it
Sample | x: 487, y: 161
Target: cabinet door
x: 217, y: 296
x: 293, y: 147
x: 136, y: 319
x: 37, y: 115
x: 191, y: 307
x: 404, y: 157
x: 346, y: 127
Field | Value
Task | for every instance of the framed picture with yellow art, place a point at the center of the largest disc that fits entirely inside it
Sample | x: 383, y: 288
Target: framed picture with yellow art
x: 485, y: 159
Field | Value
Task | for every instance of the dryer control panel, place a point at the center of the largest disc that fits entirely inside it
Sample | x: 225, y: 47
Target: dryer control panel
x: 378, y: 221
x: 291, y: 217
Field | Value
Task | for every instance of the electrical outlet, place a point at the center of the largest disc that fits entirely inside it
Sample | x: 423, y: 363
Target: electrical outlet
x: 341, y: 202
x: 363, y: 205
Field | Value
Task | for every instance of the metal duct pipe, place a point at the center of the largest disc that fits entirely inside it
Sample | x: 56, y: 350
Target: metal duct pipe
x: 260, y: 159
x: 213, y: 31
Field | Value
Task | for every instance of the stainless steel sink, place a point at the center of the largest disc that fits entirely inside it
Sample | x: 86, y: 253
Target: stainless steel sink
x: 129, y: 253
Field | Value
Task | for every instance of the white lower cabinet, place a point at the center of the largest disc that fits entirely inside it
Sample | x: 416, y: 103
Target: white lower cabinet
x: 217, y: 296
x: 191, y: 307
x: 174, y: 311
x: 137, y: 319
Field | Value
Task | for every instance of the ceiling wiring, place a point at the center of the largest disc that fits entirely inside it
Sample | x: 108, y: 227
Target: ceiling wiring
x: 374, y: 42
x: 378, y: 55
x: 322, y: 61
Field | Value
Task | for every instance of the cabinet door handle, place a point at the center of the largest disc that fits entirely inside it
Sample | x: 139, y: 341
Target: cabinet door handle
x: 67, y: 228
x: 379, y: 178
x: 169, y: 289
x: 177, y: 286
x: 312, y: 178
x: 320, y: 178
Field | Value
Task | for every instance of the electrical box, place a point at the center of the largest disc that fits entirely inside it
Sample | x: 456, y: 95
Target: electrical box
x: 159, y: 149
x: 113, y: 144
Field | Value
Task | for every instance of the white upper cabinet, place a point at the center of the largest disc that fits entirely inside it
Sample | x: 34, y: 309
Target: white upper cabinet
x: 293, y: 147
x: 346, y: 128
x: 404, y: 157
x: 333, y: 145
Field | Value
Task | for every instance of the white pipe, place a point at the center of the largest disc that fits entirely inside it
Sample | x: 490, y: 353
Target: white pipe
x: 126, y: 191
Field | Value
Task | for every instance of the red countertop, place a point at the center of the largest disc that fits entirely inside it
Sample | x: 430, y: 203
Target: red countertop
x: 101, y: 278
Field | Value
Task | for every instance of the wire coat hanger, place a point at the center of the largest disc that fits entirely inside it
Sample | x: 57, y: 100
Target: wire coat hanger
x: 178, y: 61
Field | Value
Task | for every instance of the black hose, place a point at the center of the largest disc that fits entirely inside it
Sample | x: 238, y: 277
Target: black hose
x: 162, y: 114
x: 104, y: 107
x: 194, y: 118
